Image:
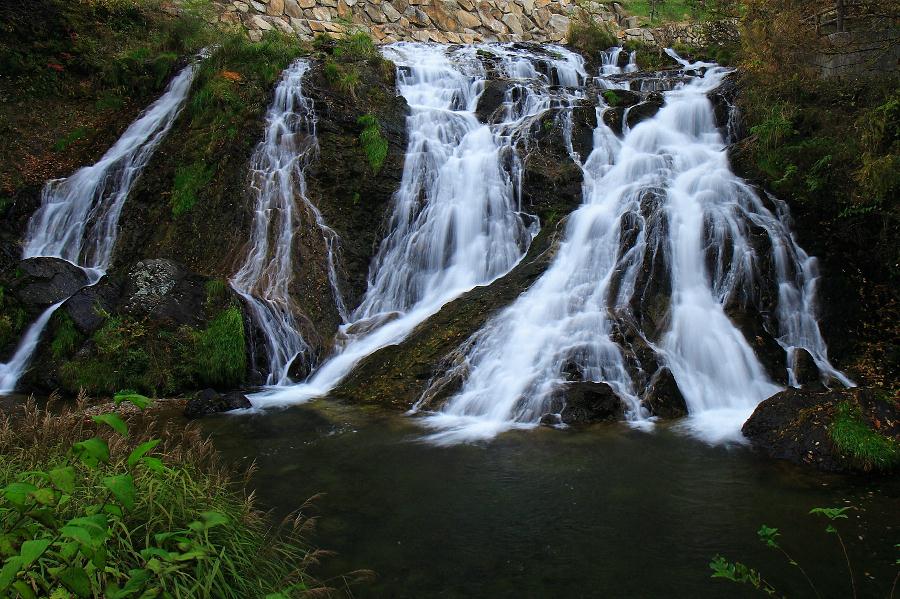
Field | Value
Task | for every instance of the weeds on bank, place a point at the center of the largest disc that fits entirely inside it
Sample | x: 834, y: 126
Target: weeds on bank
x: 90, y: 508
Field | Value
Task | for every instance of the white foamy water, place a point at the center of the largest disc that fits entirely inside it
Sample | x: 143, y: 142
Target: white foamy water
x: 670, y: 169
x: 79, y: 216
x: 277, y: 178
x: 455, y: 221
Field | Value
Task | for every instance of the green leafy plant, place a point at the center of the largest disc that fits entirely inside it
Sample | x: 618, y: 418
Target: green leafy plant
x: 221, y: 349
x: 742, y: 574
x: 373, y: 142
x: 123, y: 514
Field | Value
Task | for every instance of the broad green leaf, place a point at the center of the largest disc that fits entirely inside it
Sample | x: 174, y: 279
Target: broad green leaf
x: 44, y: 515
x: 77, y: 533
x: 151, y: 552
x: 154, y: 464
x: 44, y: 496
x: 113, y: 422
x: 122, y: 487
x: 92, y: 451
x: 63, y: 479
x: 113, y: 510
x: 96, y: 525
x: 18, y: 493
x: 276, y: 596
x: 31, y: 550
x: 211, y: 519
x: 832, y: 513
x: 136, y: 399
x: 140, y: 451
x: 76, y: 580
x: 25, y: 591
x: 8, y: 573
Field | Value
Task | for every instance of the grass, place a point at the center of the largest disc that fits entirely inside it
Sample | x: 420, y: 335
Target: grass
x: 65, y: 338
x: 668, y: 11
x: 67, y: 140
x: 189, y: 181
x: 187, y: 527
x: 373, y: 142
x: 863, y: 447
x: 222, y: 351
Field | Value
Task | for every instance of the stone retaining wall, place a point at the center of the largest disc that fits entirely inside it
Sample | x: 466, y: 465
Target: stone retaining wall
x: 443, y: 21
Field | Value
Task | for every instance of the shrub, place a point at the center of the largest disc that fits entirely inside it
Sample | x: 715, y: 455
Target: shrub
x: 66, y: 337
x: 373, y: 142
x: 124, y: 514
x: 590, y: 37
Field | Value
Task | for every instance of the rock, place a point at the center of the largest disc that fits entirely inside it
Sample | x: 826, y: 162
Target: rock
x: 587, y: 402
x: 645, y: 110
x: 621, y: 97
x: 45, y: 281
x: 292, y: 9
x: 559, y: 23
x: 164, y: 290
x: 390, y: 12
x: 794, y: 424
x: 612, y: 117
x: 275, y: 8
x: 87, y: 307
x: 467, y: 20
x: 513, y: 22
x: 663, y: 397
x: 210, y: 401
x: 260, y: 23
x: 805, y: 370
x: 491, y: 100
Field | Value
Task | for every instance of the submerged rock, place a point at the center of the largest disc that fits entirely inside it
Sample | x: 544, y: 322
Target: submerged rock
x: 663, y: 397
x: 210, y: 401
x: 797, y: 425
x: 45, y: 281
x: 645, y: 110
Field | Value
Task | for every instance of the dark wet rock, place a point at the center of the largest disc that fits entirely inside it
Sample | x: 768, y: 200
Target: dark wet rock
x: 651, y: 300
x: 209, y: 401
x: 645, y: 110
x: 613, y: 118
x: 805, y: 370
x: 621, y: 97
x: 587, y: 402
x: 723, y: 99
x: 663, y: 397
x: 43, y: 282
x: 551, y: 420
x: 164, y: 290
x: 491, y: 99
x: 584, y: 121
x: 89, y: 306
x: 794, y: 424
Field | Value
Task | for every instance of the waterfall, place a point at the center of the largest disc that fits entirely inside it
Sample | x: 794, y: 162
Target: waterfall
x: 277, y: 179
x: 455, y: 220
x: 662, y: 196
x: 79, y: 216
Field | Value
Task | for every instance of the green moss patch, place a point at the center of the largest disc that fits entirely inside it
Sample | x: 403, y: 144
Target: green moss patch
x: 858, y: 443
x: 373, y: 142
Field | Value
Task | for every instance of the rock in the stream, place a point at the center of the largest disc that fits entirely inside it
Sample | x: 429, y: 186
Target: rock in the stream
x: 164, y: 290
x: 588, y: 402
x: 645, y: 110
x: 44, y: 281
x: 210, y: 401
x: 794, y: 424
x: 491, y: 99
x: 663, y: 397
x: 88, y: 306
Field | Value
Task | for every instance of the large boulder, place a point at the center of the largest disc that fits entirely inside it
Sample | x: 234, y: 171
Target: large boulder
x: 90, y: 305
x: 491, y: 99
x: 645, y: 110
x: 163, y: 290
x: 42, y: 282
x: 663, y: 397
x: 799, y: 425
x: 587, y: 402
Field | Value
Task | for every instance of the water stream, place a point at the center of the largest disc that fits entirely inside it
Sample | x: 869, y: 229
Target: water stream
x: 79, y: 216
x: 455, y: 221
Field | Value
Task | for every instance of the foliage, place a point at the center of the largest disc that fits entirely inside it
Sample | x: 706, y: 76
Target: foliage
x: 667, y: 11
x: 590, y: 37
x: 345, y: 57
x: 221, y: 350
x: 356, y: 47
x: 742, y: 574
x: 12, y: 318
x: 863, y: 447
x: 65, y: 338
x: 124, y: 514
x: 73, y: 136
x: 189, y: 181
x: 127, y: 352
x: 373, y: 142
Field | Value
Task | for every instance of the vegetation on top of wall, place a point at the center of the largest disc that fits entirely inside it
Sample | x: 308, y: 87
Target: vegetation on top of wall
x: 590, y: 37
x: 101, y: 507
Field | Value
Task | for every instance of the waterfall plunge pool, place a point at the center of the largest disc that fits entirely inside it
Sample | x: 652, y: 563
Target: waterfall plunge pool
x: 606, y: 511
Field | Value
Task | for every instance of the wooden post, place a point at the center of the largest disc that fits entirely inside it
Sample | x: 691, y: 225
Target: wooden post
x: 840, y: 15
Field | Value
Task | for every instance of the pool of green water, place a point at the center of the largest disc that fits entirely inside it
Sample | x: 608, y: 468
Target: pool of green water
x: 607, y: 511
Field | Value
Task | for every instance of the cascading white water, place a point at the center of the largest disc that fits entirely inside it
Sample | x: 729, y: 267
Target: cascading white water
x: 278, y: 181
x: 671, y: 169
x: 454, y: 224
x: 79, y: 216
